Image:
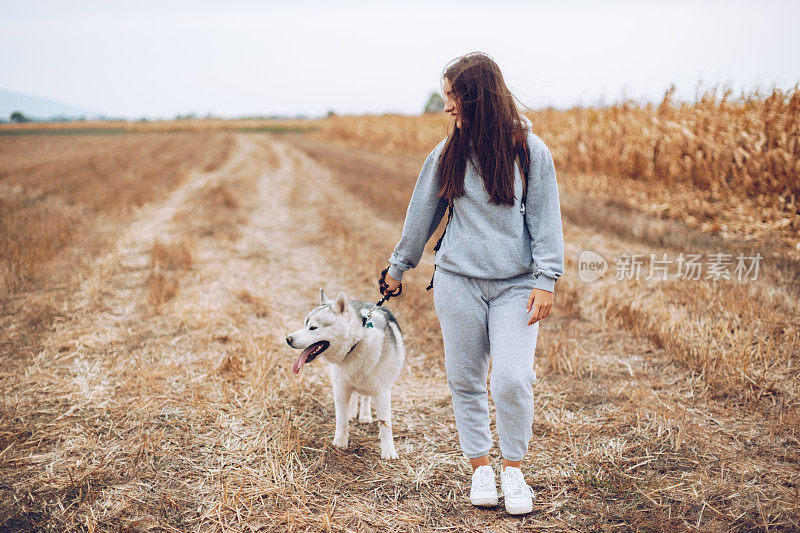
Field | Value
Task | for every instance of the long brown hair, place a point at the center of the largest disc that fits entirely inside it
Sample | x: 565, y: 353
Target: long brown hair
x: 490, y: 133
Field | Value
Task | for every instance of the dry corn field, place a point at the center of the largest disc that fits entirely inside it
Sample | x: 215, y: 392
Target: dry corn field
x: 149, y: 279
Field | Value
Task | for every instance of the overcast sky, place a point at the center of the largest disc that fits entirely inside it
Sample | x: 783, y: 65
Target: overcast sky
x: 160, y: 58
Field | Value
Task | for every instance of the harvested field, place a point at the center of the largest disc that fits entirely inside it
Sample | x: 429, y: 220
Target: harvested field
x: 156, y: 392
x: 53, y: 190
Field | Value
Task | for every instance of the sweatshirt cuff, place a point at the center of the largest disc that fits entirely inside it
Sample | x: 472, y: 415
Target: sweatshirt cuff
x: 544, y: 282
x: 395, y: 273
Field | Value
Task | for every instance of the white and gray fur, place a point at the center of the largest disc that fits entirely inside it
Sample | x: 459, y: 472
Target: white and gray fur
x: 363, y: 360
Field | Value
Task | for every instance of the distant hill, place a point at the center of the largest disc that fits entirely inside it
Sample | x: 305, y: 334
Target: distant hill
x: 40, y: 108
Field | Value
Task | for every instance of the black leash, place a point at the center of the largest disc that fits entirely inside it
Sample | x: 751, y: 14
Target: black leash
x: 366, y: 314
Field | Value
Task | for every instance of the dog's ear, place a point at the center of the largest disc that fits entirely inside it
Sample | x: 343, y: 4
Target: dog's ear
x: 323, y: 299
x: 341, y: 304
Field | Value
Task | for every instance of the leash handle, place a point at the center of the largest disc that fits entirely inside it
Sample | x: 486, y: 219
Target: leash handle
x: 366, y: 314
x: 383, y: 287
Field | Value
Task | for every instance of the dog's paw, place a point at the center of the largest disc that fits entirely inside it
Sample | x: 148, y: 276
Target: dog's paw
x: 340, y: 442
x: 365, y: 418
x: 388, y: 452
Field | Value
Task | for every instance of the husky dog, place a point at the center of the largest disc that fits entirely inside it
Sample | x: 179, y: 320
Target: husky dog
x: 363, y: 359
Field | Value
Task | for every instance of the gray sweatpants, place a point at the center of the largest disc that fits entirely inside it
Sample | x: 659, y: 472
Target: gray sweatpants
x: 483, y: 318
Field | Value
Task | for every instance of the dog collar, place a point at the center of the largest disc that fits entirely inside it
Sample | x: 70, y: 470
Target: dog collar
x: 352, y: 348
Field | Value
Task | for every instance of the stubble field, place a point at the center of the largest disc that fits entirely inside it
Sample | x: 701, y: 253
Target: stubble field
x: 149, y: 279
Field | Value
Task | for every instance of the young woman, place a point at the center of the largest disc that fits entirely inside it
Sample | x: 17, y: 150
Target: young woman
x: 496, y: 268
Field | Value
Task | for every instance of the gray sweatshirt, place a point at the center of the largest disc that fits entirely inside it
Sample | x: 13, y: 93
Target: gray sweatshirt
x: 485, y: 240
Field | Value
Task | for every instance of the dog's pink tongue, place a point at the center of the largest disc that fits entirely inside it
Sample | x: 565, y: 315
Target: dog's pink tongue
x: 302, y: 359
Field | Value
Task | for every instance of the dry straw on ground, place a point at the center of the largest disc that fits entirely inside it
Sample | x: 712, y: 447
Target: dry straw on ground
x: 167, y: 261
x: 57, y: 189
x: 660, y: 405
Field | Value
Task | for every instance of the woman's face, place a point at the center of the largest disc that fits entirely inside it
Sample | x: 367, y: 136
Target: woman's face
x: 450, y: 104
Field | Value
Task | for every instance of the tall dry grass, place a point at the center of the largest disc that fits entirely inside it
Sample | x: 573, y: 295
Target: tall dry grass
x: 747, y: 146
x: 387, y: 133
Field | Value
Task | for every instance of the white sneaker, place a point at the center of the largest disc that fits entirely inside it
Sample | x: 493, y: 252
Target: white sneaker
x: 517, y: 494
x: 484, y: 487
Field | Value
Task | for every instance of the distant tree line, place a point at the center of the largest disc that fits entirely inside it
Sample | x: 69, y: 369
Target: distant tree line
x: 19, y: 116
x: 435, y: 103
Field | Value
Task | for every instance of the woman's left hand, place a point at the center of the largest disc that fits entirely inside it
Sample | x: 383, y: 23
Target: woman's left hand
x: 540, y: 302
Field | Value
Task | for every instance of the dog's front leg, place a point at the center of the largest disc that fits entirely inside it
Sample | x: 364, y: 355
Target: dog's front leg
x: 341, y: 398
x: 383, y: 407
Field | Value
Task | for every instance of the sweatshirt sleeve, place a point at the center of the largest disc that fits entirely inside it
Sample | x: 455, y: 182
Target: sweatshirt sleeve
x: 425, y: 211
x: 543, y: 216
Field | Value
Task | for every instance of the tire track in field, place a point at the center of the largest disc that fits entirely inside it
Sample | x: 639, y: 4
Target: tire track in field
x: 119, y: 393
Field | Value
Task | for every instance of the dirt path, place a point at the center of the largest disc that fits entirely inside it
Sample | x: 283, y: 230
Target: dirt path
x: 187, y: 417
